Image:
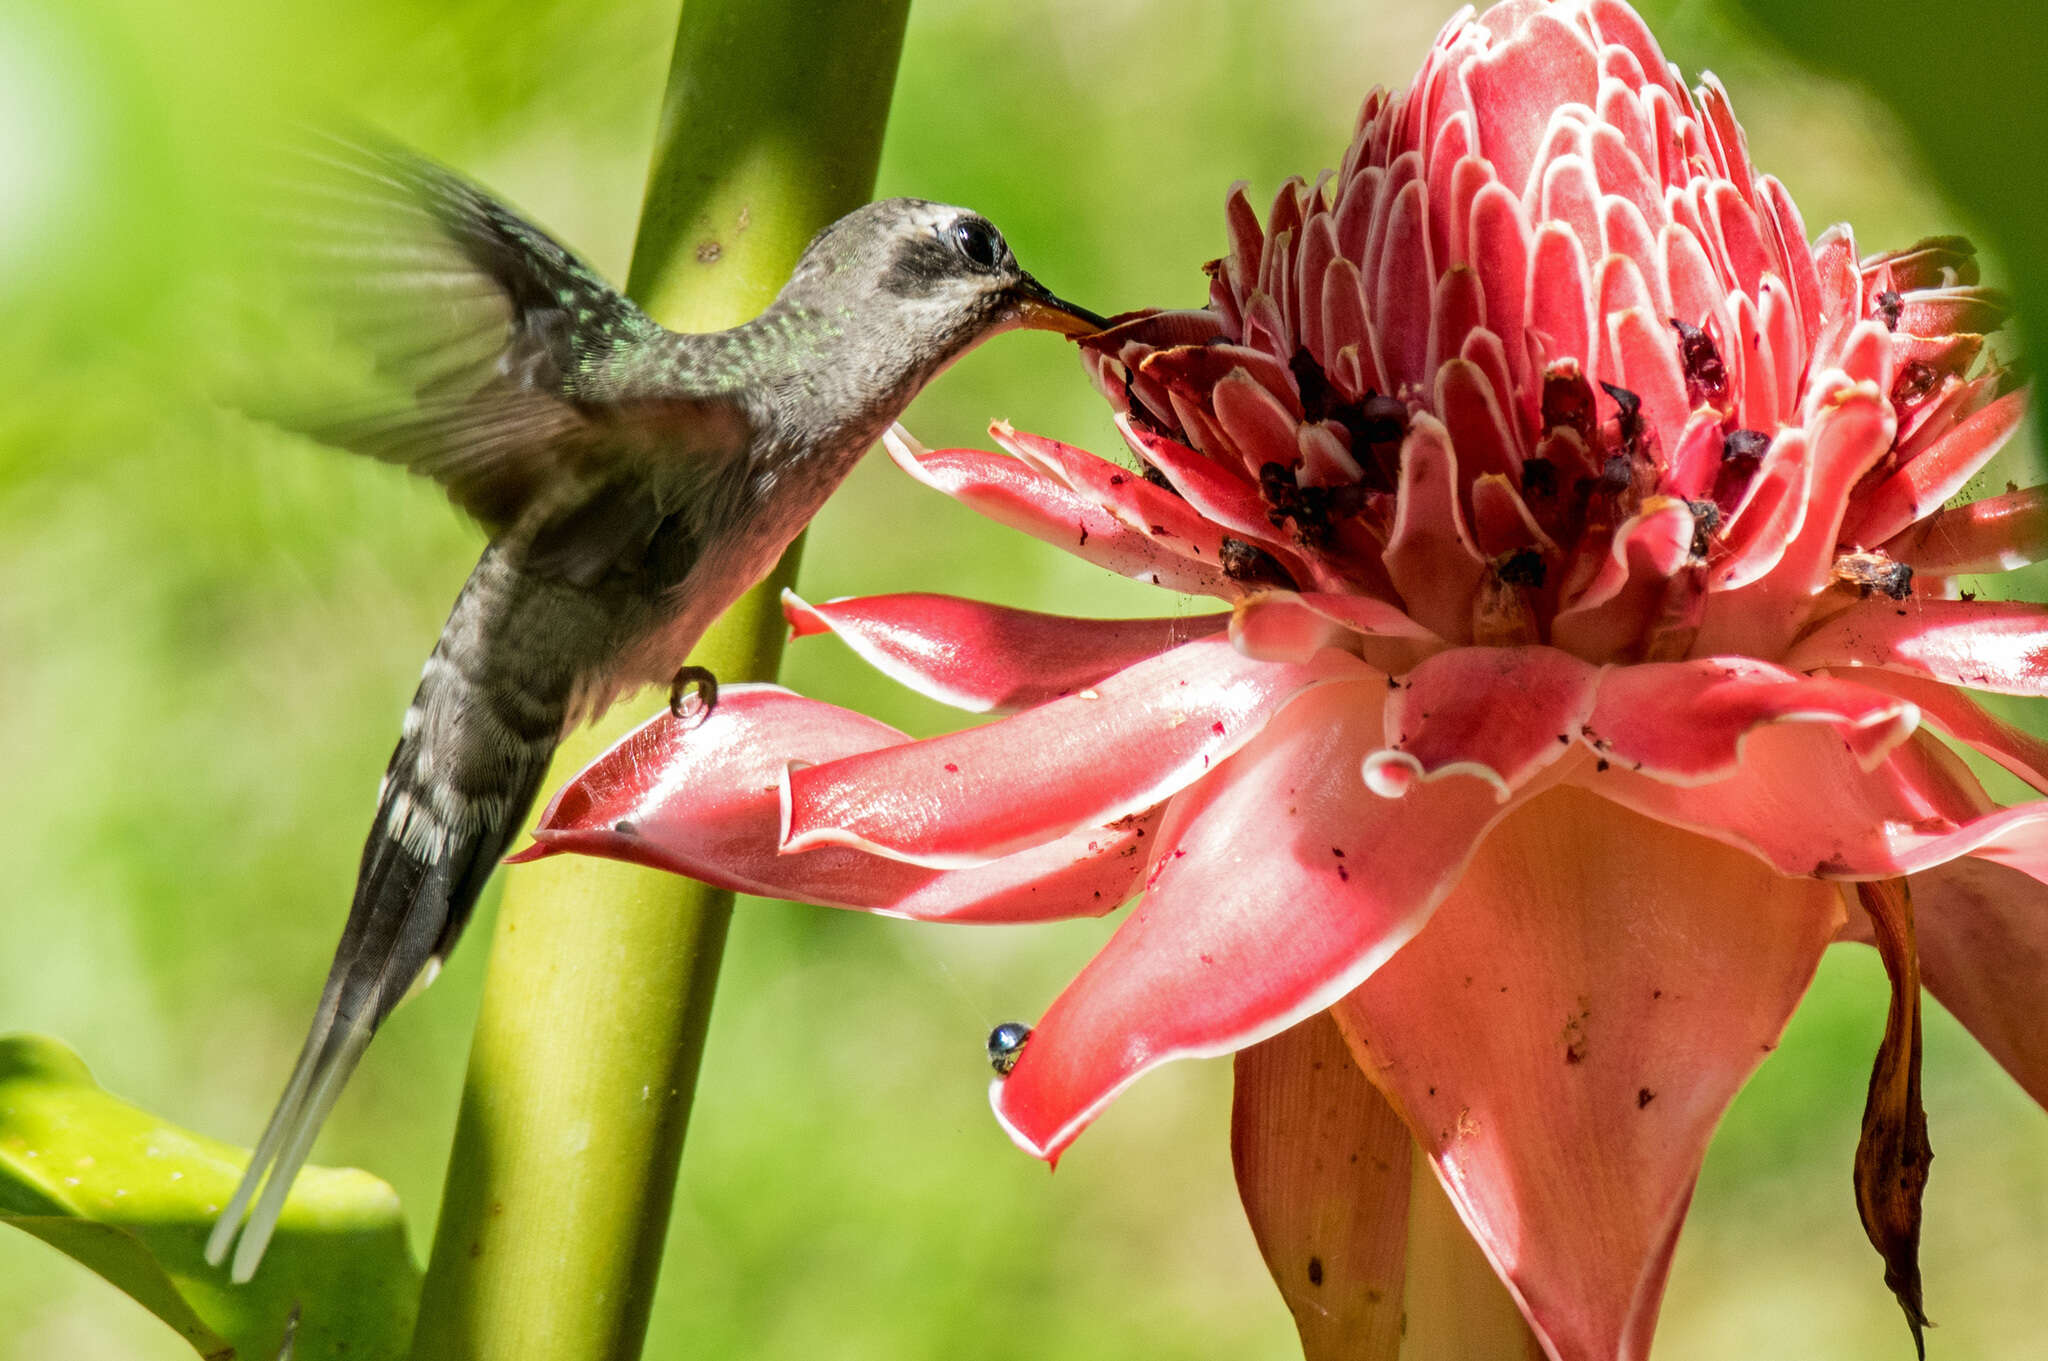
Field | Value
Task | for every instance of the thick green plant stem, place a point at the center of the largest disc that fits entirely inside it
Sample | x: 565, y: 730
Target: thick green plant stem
x: 601, y: 975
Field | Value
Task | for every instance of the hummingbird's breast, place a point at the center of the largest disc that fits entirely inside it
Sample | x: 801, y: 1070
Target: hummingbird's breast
x: 739, y: 528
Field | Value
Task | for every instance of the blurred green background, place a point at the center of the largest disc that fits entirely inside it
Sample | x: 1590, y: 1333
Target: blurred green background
x: 208, y: 631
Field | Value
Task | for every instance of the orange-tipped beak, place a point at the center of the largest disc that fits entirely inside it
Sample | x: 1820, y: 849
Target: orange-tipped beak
x: 1040, y: 310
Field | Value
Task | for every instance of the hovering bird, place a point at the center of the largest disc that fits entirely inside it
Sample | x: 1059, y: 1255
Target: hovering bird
x: 634, y: 482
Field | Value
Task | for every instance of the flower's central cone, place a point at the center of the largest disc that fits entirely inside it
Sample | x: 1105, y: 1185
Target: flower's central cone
x: 1555, y: 365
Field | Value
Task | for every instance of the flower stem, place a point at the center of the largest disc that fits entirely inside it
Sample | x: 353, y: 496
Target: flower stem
x: 600, y: 981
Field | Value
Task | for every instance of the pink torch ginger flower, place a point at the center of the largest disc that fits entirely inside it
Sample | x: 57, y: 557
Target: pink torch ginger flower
x: 1593, y: 630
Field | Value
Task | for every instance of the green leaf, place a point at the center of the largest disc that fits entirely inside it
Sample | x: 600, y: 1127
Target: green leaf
x: 132, y: 1198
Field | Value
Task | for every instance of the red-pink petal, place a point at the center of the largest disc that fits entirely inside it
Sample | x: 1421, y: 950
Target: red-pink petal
x: 1476, y: 420
x: 1648, y: 362
x: 1358, y: 613
x: 1804, y: 280
x: 1559, y: 294
x: 1318, y: 248
x: 1088, y: 759
x: 1430, y: 555
x: 1751, y: 353
x: 1156, y: 513
x: 1514, y: 86
x: 1569, y: 194
x: 1778, y: 319
x: 1347, y: 328
x: 1013, y: 494
x: 1279, y: 628
x: 1499, y: 714
x: 1688, y: 275
x: 1769, y: 513
x: 1401, y: 289
x: 1621, y: 603
x: 1941, y: 470
x: 1840, y: 294
x: 1214, y: 490
x: 1686, y: 722
x: 1999, y: 645
x: 1996, y: 534
x: 702, y: 800
x: 1565, y: 1033
x: 1695, y: 463
x: 1943, y: 311
x: 1951, y: 709
x: 1919, y: 808
x: 1846, y: 440
x: 1247, y: 239
x: 1741, y: 237
x: 988, y: 658
x: 1501, y: 520
x: 1238, y: 938
x: 1500, y: 253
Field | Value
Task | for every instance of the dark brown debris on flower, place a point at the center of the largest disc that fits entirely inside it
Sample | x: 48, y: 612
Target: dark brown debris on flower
x: 1874, y: 573
x: 1374, y: 423
x: 1253, y: 565
x: 1916, y: 379
x: 1314, y: 511
x: 1706, y: 518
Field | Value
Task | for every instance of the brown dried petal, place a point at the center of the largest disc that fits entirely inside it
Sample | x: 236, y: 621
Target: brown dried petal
x: 1892, y: 1156
x: 1322, y: 1165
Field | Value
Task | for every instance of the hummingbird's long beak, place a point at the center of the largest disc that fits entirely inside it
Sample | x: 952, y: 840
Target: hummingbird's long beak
x: 1038, y: 309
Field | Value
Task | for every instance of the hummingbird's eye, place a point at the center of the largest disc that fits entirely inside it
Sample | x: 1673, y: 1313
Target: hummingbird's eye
x: 978, y: 241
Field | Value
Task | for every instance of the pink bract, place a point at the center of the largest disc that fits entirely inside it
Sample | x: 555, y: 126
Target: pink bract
x: 1593, y: 616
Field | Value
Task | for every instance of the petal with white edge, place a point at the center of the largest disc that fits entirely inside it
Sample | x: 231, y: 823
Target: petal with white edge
x: 1113, y: 749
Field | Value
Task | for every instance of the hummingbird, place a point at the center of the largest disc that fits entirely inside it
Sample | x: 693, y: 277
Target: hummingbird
x: 634, y: 481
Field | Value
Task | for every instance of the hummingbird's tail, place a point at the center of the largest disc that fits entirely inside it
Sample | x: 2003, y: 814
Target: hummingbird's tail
x: 474, y: 751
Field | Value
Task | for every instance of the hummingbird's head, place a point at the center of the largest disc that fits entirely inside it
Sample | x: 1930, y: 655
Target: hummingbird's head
x: 945, y: 275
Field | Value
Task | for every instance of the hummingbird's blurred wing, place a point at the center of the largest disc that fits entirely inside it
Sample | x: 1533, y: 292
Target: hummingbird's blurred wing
x: 520, y: 377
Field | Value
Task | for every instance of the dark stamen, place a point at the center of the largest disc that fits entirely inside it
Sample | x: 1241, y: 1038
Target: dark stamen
x: 1915, y: 380
x: 1890, y: 307
x: 1706, y: 377
x: 1522, y: 567
x: 1616, y: 474
x: 1744, y: 447
x: 1375, y: 424
x: 1316, y: 393
x: 1628, y: 419
x: 1253, y: 565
